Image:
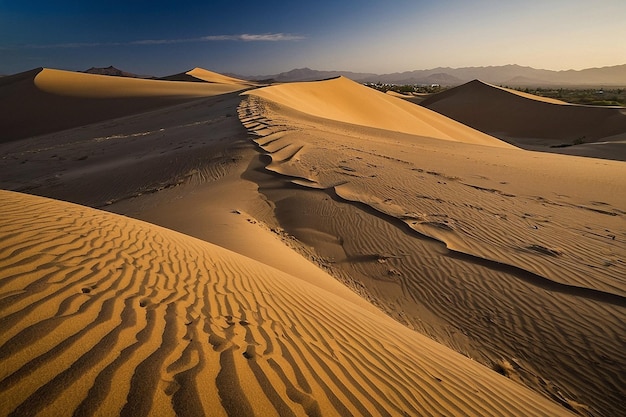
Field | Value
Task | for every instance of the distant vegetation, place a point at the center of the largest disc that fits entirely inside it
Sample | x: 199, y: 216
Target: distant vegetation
x: 407, y: 88
x: 591, y: 97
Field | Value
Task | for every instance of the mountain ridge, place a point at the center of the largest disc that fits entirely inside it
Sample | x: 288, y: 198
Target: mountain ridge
x: 512, y: 74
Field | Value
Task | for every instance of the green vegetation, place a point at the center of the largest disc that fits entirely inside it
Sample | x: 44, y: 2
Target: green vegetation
x: 407, y: 88
x: 591, y: 97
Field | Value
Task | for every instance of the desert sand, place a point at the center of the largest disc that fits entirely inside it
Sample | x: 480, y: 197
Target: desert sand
x: 533, y: 122
x: 312, y: 249
x: 203, y: 75
x: 107, y: 315
x: 47, y: 100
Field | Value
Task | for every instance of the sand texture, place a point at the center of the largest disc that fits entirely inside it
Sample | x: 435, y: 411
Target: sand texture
x: 302, y: 249
x: 335, y: 100
x: 203, y: 75
x: 102, y: 314
x: 535, y: 122
x: 47, y: 100
x: 532, y: 250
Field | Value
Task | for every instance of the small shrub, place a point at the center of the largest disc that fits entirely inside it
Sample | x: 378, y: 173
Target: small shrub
x: 503, y: 367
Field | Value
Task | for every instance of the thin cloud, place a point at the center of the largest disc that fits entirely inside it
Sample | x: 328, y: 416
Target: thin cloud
x: 244, y: 37
x: 160, y: 41
x: 71, y: 45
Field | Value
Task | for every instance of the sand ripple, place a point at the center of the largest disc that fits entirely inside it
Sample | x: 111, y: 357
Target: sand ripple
x: 101, y: 314
x: 533, y: 253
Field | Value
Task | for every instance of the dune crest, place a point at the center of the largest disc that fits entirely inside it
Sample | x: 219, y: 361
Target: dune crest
x: 124, y: 318
x: 214, y: 77
x: 527, y: 239
x: 298, y: 151
x: 48, y: 100
x: 525, y: 119
x: 205, y: 76
x: 343, y: 100
x: 75, y: 84
x: 528, y: 95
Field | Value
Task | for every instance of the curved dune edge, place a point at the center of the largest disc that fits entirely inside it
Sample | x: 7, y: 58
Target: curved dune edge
x: 534, y: 253
x: 43, y: 101
x: 74, y: 84
x: 205, y: 76
x: 530, y: 96
x: 344, y: 100
x: 214, y: 77
x: 525, y: 118
x: 104, y: 314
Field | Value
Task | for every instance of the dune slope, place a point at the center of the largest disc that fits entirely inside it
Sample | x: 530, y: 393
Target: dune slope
x: 532, y: 254
x: 203, y: 75
x: 590, y: 192
x: 522, y: 117
x: 108, y: 315
x: 47, y: 100
x: 343, y: 100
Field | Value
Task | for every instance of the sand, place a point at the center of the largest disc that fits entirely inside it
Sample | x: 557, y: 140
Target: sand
x: 108, y: 315
x: 203, y: 75
x: 531, y: 250
x: 335, y: 100
x: 533, y: 122
x: 327, y: 228
x: 47, y: 100
x: 415, y: 98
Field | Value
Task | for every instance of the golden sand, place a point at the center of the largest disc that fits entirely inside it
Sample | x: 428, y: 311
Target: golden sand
x: 507, y: 256
x: 106, y: 315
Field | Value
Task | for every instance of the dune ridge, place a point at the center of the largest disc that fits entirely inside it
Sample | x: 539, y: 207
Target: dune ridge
x: 367, y: 203
x: 335, y: 99
x: 75, y: 84
x: 539, y: 243
x: 47, y: 100
x: 525, y: 119
x: 537, y: 249
x: 202, y: 75
x: 184, y: 327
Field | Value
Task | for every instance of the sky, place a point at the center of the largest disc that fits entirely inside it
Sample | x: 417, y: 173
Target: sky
x: 268, y: 37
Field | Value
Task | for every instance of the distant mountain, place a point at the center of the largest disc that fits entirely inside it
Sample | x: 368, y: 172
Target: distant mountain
x: 307, y: 74
x: 440, y: 78
x: 111, y: 70
x: 510, y: 75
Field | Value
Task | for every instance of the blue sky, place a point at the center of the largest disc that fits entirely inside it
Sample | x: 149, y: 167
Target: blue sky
x: 266, y: 37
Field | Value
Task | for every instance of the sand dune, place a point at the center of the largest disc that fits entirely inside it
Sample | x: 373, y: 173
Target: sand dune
x: 590, y: 192
x: 527, y: 238
x: 103, y: 314
x: 507, y: 256
x: 416, y: 99
x: 47, y: 100
x: 344, y: 100
x: 525, y: 119
x: 203, y: 75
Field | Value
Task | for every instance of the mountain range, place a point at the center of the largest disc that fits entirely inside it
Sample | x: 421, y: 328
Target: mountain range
x: 509, y: 75
x: 111, y: 70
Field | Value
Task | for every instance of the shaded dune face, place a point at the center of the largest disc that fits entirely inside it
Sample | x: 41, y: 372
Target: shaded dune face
x: 101, y: 314
x: 502, y: 112
x: 46, y: 100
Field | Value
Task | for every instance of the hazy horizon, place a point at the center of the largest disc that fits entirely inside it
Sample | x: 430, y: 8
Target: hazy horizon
x: 249, y: 38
